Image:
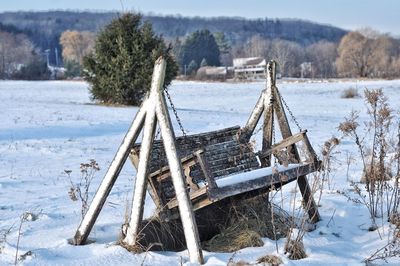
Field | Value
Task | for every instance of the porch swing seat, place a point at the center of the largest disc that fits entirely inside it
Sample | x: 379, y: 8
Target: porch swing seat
x: 217, y: 165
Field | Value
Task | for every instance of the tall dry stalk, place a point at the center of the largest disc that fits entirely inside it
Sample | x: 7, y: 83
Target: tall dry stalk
x: 294, y: 243
x: 80, y: 190
x: 375, y: 167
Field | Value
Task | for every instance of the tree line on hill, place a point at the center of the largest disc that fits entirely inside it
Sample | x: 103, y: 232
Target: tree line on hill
x: 302, y: 49
x: 44, y: 29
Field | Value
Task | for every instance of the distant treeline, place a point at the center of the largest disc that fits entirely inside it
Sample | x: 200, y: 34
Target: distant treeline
x: 45, y: 28
x: 301, y: 48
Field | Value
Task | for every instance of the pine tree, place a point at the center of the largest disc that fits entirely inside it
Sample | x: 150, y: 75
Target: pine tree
x: 223, y: 44
x: 121, y: 66
x: 192, y: 67
x: 199, y: 45
x: 203, y: 63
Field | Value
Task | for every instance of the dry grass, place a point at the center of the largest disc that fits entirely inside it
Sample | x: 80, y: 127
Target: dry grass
x: 248, y: 221
x: 137, y: 249
x: 350, y: 93
x: 238, y: 263
x: 295, y: 250
x: 232, y: 239
x: 270, y: 260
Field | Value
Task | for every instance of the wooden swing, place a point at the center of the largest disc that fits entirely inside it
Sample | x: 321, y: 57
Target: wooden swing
x: 186, y: 174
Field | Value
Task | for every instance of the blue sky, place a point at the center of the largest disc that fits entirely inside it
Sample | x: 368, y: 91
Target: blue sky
x: 383, y: 15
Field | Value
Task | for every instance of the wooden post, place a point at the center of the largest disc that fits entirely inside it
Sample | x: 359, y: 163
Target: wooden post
x: 302, y: 180
x: 268, y: 113
x: 139, y: 196
x: 184, y: 204
x: 110, y: 177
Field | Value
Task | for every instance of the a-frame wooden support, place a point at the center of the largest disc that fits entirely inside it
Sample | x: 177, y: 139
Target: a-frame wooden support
x: 153, y: 110
x: 270, y: 104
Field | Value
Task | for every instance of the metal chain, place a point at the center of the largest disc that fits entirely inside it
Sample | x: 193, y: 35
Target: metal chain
x: 288, y: 109
x: 274, y: 140
x: 158, y: 133
x: 175, y: 112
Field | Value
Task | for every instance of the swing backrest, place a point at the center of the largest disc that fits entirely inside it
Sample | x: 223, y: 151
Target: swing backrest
x: 223, y: 152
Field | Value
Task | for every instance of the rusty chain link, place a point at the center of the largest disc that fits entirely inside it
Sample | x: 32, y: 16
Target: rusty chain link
x: 175, y: 112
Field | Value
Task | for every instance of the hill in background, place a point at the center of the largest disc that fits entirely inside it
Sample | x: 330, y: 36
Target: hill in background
x: 45, y: 28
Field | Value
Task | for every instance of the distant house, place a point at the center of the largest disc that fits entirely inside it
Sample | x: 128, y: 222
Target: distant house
x: 212, y: 73
x: 249, y: 68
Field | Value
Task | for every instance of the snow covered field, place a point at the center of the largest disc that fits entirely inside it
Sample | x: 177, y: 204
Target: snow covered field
x: 49, y: 127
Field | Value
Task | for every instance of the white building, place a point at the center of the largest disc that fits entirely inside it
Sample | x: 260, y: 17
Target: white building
x: 249, y: 68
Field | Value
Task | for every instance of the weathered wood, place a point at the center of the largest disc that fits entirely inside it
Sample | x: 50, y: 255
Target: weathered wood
x: 110, y: 177
x: 184, y: 204
x: 268, y: 126
x: 222, y: 152
x: 248, y: 129
x: 206, y: 169
x: 310, y: 150
x: 267, y: 135
x: 279, y: 179
x: 147, y: 143
x: 282, y: 144
x: 302, y: 180
x: 174, y: 203
x: 186, y: 146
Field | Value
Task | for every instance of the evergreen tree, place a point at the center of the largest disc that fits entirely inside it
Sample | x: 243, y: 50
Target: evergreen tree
x: 72, y: 69
x: 203, y: 63
x: 177, y: 51
x: 199, y: 45
x: 36, y: 69
x: 121, y: 66
x: 192, y: 67
x: 223, y: 44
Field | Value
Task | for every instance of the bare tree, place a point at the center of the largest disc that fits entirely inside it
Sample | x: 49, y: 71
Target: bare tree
x: 76, y: 45
x: 289, y: 55
x: 257, y: 46
x: 367, y: 54
x: 16, y: 50
x: 381, y: 58
x: 353, y: 53
x: 322, y: 55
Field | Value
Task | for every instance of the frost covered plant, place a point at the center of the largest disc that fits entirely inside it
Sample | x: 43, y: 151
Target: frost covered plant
x: 373, y: 149
x: 80, y: 190
x: 294, y: 247
x: 3, y: 238
x: 328, y: 156
x: 392, y: 248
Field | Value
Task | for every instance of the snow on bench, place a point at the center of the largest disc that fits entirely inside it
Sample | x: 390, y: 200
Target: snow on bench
x: 252, y: 175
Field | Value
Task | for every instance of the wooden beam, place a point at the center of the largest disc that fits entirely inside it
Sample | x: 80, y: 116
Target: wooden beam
x: 302, y: 182
x: 268, y: 126
x: 282, y: 144
x: 139, y: 196
x: 205, y: 168
x: 184, y: 204
x: 262, y: 182
x: 194, y: 195
x: 110, y: 177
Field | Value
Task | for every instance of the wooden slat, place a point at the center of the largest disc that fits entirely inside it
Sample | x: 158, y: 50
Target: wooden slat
x: 206, y: 170
x: 283, y: 144
x: 174, y: 203
x: 267, y: 181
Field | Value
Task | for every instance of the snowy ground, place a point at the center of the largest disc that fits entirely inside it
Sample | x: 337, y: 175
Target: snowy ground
x: 49, y: 127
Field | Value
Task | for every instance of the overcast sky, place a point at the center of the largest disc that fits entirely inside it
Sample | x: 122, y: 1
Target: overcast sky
x: 383, y: 15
